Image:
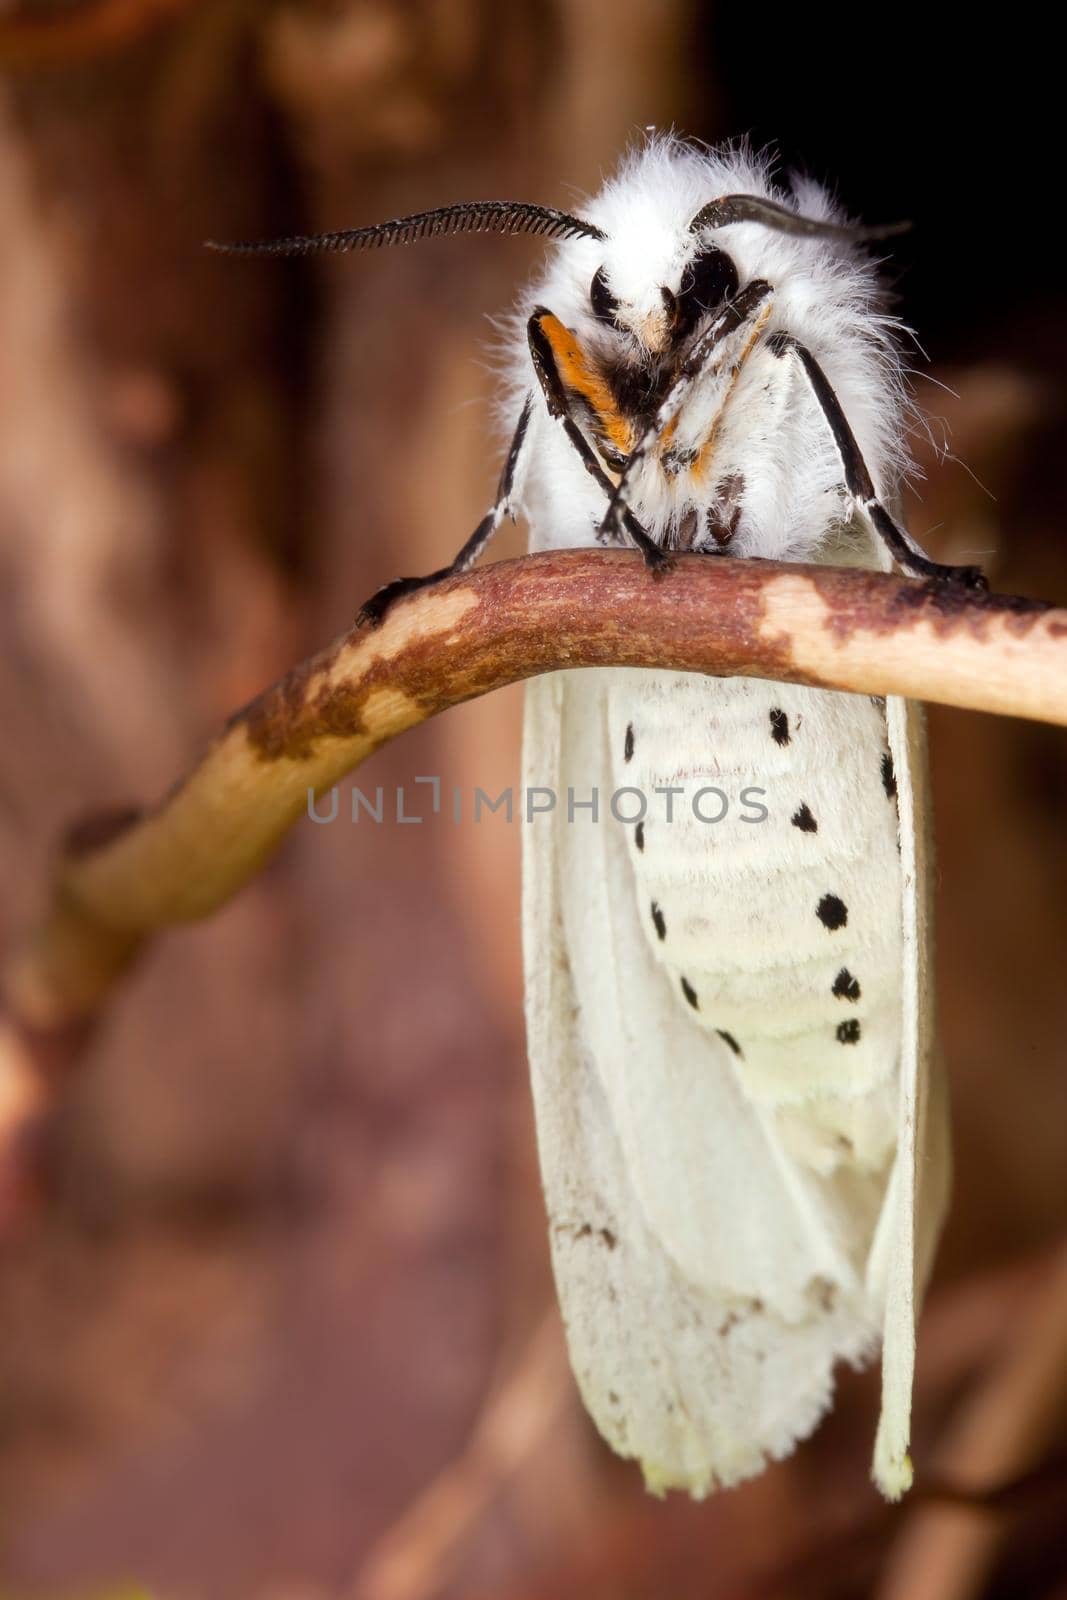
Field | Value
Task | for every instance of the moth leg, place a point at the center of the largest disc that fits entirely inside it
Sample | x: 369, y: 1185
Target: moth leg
x: 732, y: 316
x: 374, y: 609
x: 904, y: 550
x: 559, y: 406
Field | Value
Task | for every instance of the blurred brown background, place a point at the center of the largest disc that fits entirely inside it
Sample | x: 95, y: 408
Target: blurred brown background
x: 282, y: 1324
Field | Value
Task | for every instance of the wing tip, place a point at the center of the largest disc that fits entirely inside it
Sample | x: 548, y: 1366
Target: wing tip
x: 659, y: 1478
x: 892, y: 1472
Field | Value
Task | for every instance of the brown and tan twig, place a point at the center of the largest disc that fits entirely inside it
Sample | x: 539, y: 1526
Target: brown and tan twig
x: 120, y: 879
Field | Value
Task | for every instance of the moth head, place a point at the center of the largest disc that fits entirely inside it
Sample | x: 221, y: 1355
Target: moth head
x: 659, y: 315
x: 656, y: 284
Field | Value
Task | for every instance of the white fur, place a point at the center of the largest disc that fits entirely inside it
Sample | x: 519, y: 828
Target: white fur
x: 825, y: 294
x: 727, y: 1226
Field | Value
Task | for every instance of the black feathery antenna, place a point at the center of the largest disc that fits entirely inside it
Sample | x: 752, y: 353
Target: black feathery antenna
x: 476, y: 216
x: 754, y: 208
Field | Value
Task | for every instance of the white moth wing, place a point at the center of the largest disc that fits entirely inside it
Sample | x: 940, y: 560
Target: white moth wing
x: 702, y: 1363
x: 918, y: 1197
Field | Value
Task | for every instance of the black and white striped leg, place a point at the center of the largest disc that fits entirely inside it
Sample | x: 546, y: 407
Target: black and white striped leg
x: 376, y: 607
x: 904, y: 550
x: 732, y: 316
x: 552, y: 387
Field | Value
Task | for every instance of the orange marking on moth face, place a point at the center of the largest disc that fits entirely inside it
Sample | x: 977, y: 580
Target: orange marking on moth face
x: 699, y: 470
x: 580, y: 376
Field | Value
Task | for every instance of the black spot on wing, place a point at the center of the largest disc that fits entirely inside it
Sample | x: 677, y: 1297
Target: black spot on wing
x: 779, y: 726
x: 628, y: 743
x: 803, y: 819
x: 845, y: 986
x: 587, y: 1231
x: 832, y: 912
x: 659, y: 921
x: 639, y: 836
x: 690, y: 994
x: 848, y: 1032
x: 730, y: 1040
x: 889, y: 777
x: 825, y: 1293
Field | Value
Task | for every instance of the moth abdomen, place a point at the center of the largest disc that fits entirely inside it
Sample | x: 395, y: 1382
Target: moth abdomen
x: 769, y: 932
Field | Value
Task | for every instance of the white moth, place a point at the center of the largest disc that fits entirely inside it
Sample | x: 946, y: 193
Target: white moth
x: 741, y: 1124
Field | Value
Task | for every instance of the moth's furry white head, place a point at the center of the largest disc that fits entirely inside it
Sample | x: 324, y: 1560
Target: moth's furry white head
x: 826, y: 294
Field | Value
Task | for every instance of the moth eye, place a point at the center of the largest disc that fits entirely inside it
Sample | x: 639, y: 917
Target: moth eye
x: 708, y: 280
x: 601, y: 299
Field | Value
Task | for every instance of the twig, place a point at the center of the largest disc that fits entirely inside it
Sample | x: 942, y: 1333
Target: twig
x: 120, y: 879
